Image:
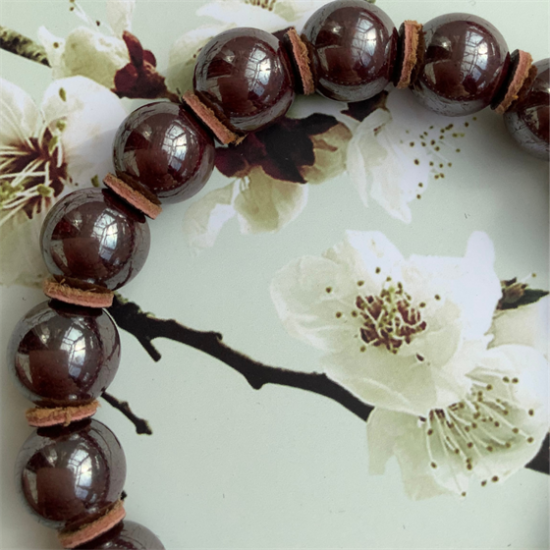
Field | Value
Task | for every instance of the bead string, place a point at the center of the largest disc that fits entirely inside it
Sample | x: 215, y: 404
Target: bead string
x: 322, y: 59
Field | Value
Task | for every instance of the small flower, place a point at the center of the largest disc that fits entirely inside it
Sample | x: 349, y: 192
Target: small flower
x: 399, y: 334
x: 492, y: 432
x: 393, y: 165
x: 269, y: 166
x: 269, y: 15
x: 44, y: 153
x: 106, y: 52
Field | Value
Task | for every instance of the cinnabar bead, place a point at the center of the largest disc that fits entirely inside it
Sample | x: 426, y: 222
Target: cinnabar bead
x: 465, y: 64
x: 92, y: 236
x: 64, y: 355
x: 353, y: 46
x: 127, y: 535
x: 163, y: 148
x: 245, y: 76
x: 71, y: 475
x: 528, y: 120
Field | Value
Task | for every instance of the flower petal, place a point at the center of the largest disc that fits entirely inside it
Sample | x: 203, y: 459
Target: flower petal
x: 91, y: 115
x: 205, y: 217
x: 119, y: 15
x: 183, y: 56
x: 470, y: 281
x: 20, y: 118
x: 92, y: 54
x: 265, y: 204
x: 393, y: 433
x: 525, y: 325
x: 54, y: 47
x: 20, y: 251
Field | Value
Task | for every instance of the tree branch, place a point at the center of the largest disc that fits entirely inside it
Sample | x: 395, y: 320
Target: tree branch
x: 142, y: 426
x: 146, y: 328
x: 18, y: 44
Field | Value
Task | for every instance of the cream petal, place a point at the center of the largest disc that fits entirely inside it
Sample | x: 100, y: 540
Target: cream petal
x: 205, y: 217
x: 392, y: 433
x: 91, y: 115
x: 308, y: 293
x: 526, y: 325
x: 183, y: 56
x: 266, y: 205
x: 20, y: 251
x: 119, y: 15
x: 234, y: 12
x: 382, y: 168
x: 20, y: 118
x: 91, y: 54
x: 470, y: 281
x: 54, y: 46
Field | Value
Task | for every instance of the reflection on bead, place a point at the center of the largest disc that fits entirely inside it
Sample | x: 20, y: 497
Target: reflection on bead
x: 92, y: 236
x: 71, y: 475
x: 466, y: 62
x: 127, y: 535
x: 245, y: 75
x: 162, y: 147
x: 353, y: 45
x: 64, y: 355
x: 529, y: 120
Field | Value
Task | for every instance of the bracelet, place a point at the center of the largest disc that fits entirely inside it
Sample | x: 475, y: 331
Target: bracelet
x: 65, y: 352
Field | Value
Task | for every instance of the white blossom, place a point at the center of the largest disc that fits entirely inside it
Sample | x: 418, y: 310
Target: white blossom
x: 91, y: 50
x: 491, y: 433
x: 46, y: 152
x: 398, y: 333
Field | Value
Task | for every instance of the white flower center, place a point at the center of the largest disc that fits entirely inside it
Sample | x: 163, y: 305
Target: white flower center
x: 31, y: 174
x: 389, y: 319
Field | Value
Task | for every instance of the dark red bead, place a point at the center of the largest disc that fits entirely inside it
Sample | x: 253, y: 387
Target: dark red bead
x: 353, y: 45
x: 528, y: 121
x: 465, y: 63
x: 71, y: 475
x: 92, y: 236
x: 127, y: 535
x: 245, y: 75
x: 64, y: 355
x: 162, y: 147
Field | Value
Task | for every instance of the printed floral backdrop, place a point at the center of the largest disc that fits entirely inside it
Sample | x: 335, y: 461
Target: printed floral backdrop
x: 340, y: 342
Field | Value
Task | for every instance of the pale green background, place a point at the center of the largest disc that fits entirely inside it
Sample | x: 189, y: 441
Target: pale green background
x: 229, y: 467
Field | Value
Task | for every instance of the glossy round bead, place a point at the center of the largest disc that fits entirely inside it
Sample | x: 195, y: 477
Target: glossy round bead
x: 465, y: 63
x: 64, y: 355
x: 92, y: 236
x: 528, y: 121
x: 71, y: 475
x: 353, y: 45
x: 162, y: 147
x: 246, y: 76
x: 127, y: 535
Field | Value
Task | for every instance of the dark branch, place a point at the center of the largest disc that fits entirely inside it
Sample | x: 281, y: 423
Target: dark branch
x: 142, y: 426
x: 145, y: 327
x: 18, y: 44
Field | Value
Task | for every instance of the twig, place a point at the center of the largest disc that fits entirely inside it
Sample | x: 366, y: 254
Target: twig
x: 146, y: 328
x: 16, y: 43
x: 142, y: 426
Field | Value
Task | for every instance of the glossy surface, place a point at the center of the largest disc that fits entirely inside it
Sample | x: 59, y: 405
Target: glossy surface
x: 353, y: 46
x: 465, y: 63
x: 64, y: 355
x: 246, y: 76
x: 163, y: 148
x: 127, y: 535
x: 92, y: 236
x: 71, y: 475
x: 528, y: 122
